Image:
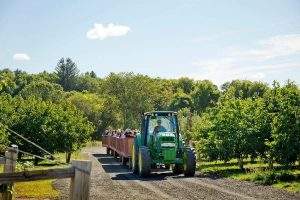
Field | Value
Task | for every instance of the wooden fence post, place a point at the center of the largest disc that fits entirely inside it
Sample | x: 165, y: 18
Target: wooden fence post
x: 80, y: 183
x: 11, y: 156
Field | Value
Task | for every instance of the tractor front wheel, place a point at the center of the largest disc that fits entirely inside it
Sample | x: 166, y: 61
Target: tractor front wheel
x: 177, y: 169
x: 144, y: 162
x: 189, y: 165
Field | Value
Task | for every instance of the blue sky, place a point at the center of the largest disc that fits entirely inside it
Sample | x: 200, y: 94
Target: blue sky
x: 216, y: 40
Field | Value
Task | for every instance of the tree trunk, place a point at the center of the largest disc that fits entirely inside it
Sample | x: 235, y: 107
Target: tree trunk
x: 241, y: 163
x: 252, y: 159
x: 36, y: 161
x: 68, y: 157
x: 270, y: 162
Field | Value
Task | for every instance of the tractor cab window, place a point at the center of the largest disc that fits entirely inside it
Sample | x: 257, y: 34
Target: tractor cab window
x: 161, y: 124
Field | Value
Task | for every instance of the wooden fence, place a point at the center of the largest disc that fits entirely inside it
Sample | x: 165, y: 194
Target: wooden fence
x: 79, y: 172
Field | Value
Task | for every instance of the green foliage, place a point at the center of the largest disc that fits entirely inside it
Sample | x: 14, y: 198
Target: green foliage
x: 244, y: 89
x: 67, y: 73
x: 185, y: 84
x: 205, y: 95
x: 102, y: 111
x: 3, y: 138
x: 13, y: 82
x: 55, y: 127
x: 233, y: 130
x: 283, y: 106
x: 43, y: 90
x: 244, y: 119
x: 271, y: 177
x: 88, y: 82
x: 135, y: 94
x: 186, y: 118
x: 253, y: 122
x: 7, y: 115
x: 181, y: 100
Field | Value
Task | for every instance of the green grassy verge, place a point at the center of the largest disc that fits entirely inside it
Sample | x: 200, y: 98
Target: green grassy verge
x: 36, y: 189
x: 279, y: 177
x: 43, y: 189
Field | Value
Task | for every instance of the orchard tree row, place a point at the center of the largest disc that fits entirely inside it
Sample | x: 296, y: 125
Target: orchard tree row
x: 64, y: 109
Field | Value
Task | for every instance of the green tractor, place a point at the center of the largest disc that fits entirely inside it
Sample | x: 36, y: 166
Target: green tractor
x: 160, y: 144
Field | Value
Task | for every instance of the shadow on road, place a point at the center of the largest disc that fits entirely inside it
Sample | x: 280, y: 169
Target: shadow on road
x: 117, y: 171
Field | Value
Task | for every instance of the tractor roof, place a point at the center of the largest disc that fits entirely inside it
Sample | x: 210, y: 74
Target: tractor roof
x: 161, y: 113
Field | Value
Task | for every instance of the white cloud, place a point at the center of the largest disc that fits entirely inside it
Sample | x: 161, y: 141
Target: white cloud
x: 253, y: 64
x: 21, y: 57
x: 258, y: 76
x: 100, y: 31
x: 273, y: 47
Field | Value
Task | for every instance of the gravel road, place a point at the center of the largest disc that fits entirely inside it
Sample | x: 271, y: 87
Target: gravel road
x: 110, y: 180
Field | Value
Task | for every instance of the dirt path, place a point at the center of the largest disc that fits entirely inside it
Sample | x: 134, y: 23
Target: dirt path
x: 110, y: 180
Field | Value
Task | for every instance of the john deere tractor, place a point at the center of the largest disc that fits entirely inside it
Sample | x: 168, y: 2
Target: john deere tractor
x: 159, y: 144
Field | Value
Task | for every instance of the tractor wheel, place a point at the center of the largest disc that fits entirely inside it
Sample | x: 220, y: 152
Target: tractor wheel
x: 144, y: 162
x: 177, y: 169
x: 134, y: 159
x: 189, y: 163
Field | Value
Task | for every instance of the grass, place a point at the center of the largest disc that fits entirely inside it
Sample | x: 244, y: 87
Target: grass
x: 43, y: 189
x: 291, y: 186
x: 36, y: 189
x: 280, y: 177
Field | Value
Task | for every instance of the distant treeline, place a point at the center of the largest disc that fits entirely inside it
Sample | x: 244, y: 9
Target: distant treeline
x: 62, y: 110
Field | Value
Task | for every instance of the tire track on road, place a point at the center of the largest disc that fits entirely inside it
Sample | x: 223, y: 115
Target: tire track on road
x: 132, y: 183
x: 218, y: 188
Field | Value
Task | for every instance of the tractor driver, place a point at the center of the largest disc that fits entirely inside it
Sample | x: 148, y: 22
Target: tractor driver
x: 159, y: 128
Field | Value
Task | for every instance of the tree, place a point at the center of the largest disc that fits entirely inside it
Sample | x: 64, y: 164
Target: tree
x: 135, y: 93
x: 206, y: 141
x: 102, y: 111
x: 238, y: 127
x: 185, y: 84
x: 87, y: 83
x: 55, y: 127
x: 244, y: 89
x: 162, y: 90
x: 181, y: 100
x: 7, y: 116
x: 93, y: 74
x: 205, y: 95
x: 43, y: 90
x: 284, y: 108
x: 234, y: 129
x: 67, y: 73
x: 7, y: 82
x: 45, y: 76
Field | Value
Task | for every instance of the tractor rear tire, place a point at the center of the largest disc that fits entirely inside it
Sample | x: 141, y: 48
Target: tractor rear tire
x: 189, y: 165
x: 134, y: 159
x: 144, y: 162
x: 177, y: 169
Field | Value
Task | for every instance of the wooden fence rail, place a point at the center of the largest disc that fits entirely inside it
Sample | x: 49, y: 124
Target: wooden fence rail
x: 79, y: 172
x: 37, y: 175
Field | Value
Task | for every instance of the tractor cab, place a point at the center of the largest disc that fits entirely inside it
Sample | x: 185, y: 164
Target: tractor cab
x: 160, y: 124
x: 160, y: 144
